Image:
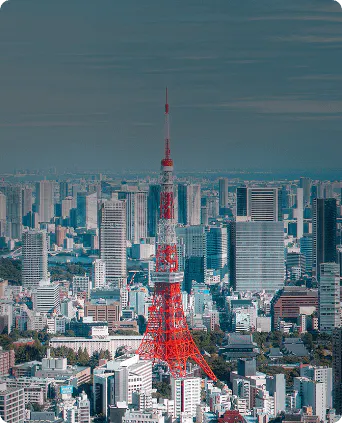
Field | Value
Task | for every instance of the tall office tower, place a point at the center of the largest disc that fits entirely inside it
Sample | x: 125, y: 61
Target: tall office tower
x: 99, y: 273
x: 204, y: 213
x: 113, y: 240
x: 27, y: 201
x: 189, y: 204
x: 167, y: 337
x: 323, y: 233
x: 12, y: 404
x: 63, y: 190
x: 259, y: 256
x: 337, y: 370
x: 213, y: 206
x: 34, y: 258
x: 263, y: 204
x: 300, y: 212
x: 153, y: 209
x: 44, y: 200
x: 136, y: 212
x: 61, y: 232
x: 306, y: 249
x: 87, y: 210
x: 194, y: 240
x: 46, y: 297
x: 186, y: 394
x: 14, y: 211
x: 241, y: 202
x: 217, y: 248
x: 2, y: 214
x: 67, y: 205
x: 305, y: 184
x: 329, y: 297
x: 223, y: 193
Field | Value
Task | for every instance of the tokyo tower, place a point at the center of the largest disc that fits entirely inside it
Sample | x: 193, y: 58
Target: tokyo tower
x: 167, y: 337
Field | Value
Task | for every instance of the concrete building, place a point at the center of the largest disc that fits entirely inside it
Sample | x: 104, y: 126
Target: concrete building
x: 98, y: 273
x: 102, y: 312
x: 217, y: 248
x: 119, y: 379
x: 132, y: 416
x: 7, y: 361
x: 45, y: 200
x: 258, y: 204
x: 34, y: 258
x: 46, y: 297
x: 186, y: 393
x: 320, y: 374
x: 312, y: 394
x: 12, y: 404
x: 113, y: 240
x: 81, y: 284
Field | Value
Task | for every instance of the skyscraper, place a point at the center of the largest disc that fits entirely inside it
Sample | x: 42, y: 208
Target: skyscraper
x: 195, y: 242
x: 87, y: 210
x: 217, y: 248
x: 324, y: 233
x: 136, y: 214
x: 2, y: 214
x: 99, y: 274
x: 35, y: 262
x: 14, y: 211
x: 153, y: 209
x: 27, y: 201
x: 223, y: 193
x: 329, y: 297
x: 300, y: 213
x: 258, y: 204
x: 259, y: 256
x: 241, y: 203
x: 113, y: 239
x: 337, y: 370
x: 189, y: 204
x: 63, y: 190
x: 44, y: 200
x: 305, y: 184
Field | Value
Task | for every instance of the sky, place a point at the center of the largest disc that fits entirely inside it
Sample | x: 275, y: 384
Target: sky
x: 253, y: 84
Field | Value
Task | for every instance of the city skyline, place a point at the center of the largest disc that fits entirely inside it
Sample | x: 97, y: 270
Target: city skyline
x: 252, y: 85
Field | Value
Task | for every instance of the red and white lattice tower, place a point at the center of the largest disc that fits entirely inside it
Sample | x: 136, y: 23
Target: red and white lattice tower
x: 167, y: 337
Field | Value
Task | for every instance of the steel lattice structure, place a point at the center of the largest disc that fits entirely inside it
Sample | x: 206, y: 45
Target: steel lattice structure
x: 167, y: 337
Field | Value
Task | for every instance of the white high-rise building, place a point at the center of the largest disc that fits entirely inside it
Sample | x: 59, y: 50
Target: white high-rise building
x: 34, y: 258
x: 189, y: 204
x: 46, y: 297
x: 329, y: 297
x: 113, y: 240
x: 186, y: 393
x: 99, y: 273
x: 136, y: 211
x: 44, y: 200
x: 300, y: 213
x: 259, y: 256
x: 87, y: 210
x: 78, y: 411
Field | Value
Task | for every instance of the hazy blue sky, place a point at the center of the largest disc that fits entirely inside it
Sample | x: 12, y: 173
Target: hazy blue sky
x: 253, y: 83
